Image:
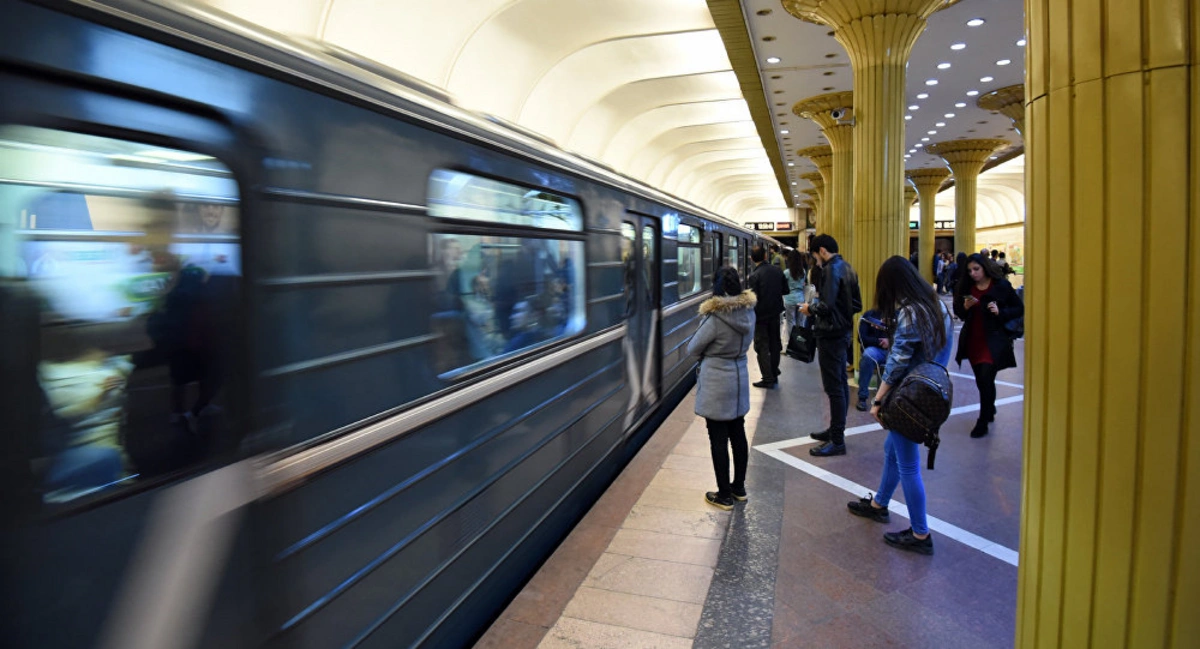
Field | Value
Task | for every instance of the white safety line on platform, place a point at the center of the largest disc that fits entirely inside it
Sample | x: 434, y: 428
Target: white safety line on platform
x: 949, y: 530
x: 1004, y: 383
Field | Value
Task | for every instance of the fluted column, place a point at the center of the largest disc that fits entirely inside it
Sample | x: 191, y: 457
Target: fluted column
x: 840, y: 134
x: 927, y: 183
x: 1111, y: 494
x: 818, y: 183
x: 966, y: 159
x: 878, y: 36
x: 814, y: 197
x: 1010, y: 102
x: 910, y: 197
x: 822, y: 157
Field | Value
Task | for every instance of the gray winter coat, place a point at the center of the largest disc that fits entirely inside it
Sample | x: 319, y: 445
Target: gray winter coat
x: 721, y: 341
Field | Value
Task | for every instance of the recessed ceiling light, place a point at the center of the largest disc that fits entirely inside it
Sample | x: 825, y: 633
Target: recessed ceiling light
x: 907, y: 156
x: 923, y: 95
x: 785, y: 131
x: 768, y: 38
x: 974, y: 22
x: 931, y: 82
x: 773, y: 59
x: 949, y: 115
x: 914, y: 107
x: 1021, y: 43
x: 943, y: 66
x: 917, y: 146
x: 763, y: 12
x: 993, y: 157
x: 961, y: 104
x: 934, y: 132
x: 958, y: 46
x: 791, y: 164
x: 924, y: 139
x: 1003, y: 62
x: 985, y: 79
x: 972, y: 93
x: 940, y: 124
x: 793, y: 182
x: 908, y: 117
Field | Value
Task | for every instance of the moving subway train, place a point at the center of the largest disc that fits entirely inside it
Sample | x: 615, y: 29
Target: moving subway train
x: 295, y: 353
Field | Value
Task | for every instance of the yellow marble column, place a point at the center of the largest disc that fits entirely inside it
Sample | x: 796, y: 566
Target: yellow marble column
x: 1111, y: 496
x: 878, y: 36
x: 910, y: 197
x: 822, y: 157
x: 840, y: 134
x: 966, y: 159
x: 1010, y: 102
x: 927, y: 182
x: 818, y: 183
x: 814, y: 197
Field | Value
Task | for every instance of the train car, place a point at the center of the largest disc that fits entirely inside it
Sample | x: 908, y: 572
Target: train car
x: 297, y: 353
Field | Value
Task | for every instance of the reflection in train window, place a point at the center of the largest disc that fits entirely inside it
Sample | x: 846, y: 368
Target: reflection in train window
x: 120, y: 268
x: 496, y: 295
x: 456, y: 195
x: 688, y: 254
x: 733, y: 253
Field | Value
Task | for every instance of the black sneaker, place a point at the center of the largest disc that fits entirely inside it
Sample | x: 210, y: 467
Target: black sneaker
x: 827, y: 449
x: 906, y: 541
x: 822, y: 436
x: 764, y: 384
x: 861, y: 406
x: 717, y: 500
x: 740, y: 496
x: 980, y: 429
x: 863, y: 507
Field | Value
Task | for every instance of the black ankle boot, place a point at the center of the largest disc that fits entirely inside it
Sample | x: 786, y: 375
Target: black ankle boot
x: 980, y: 429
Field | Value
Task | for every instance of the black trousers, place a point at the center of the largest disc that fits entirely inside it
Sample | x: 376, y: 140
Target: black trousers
x: 767, y: 346
x: 831, y: 356
x: 985, y: 380
x: 722, y: 435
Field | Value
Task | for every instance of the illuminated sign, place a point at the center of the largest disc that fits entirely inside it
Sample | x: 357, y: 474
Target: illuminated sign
x: 783, y: 227
x: 767, y: 227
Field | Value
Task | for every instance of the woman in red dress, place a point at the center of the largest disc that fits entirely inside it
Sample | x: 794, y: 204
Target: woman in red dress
x: 985, y: 302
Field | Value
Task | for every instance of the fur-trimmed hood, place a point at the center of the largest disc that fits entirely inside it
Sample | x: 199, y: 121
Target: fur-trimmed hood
x: 735, y: 310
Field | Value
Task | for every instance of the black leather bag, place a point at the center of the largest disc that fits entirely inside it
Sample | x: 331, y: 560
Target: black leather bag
x: 919, y: 405
x: 802, y: 345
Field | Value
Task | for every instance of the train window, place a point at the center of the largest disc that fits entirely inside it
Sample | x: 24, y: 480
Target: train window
x: 456, y: 195
x: 688, y: 254
x: 120, y: 268
x: 733, y: 253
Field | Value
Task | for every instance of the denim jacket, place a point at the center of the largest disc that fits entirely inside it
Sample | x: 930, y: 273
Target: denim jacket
x: 908, y: 350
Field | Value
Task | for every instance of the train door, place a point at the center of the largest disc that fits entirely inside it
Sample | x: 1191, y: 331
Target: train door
x: 641, y: 341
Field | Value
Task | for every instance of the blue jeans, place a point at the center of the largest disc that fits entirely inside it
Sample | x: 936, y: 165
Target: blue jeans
x: 902, y: 465
x: 872, y: 358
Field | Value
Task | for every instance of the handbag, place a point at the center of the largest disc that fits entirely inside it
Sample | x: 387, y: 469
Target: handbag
x: 919, y: 405
x: 802, y: 345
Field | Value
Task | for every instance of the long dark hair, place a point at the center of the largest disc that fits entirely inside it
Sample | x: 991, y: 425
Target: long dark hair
x: 726, y: 281
x: 990, y: 268
x: 795, y: 264
x: 900, y: 286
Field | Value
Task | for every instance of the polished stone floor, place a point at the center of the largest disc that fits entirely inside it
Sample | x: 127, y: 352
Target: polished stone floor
x: 652, y: 565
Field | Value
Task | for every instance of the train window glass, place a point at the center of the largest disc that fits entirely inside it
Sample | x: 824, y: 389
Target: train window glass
x: 120, y: 268
x: 456, y: 195
x: 688, y: 254
x: 733, y: 253
x: 495, y: 296
x: 648, y: 240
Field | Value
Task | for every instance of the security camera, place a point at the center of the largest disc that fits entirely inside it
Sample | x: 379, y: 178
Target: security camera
x: 842, y: 116
x: 837, y: 113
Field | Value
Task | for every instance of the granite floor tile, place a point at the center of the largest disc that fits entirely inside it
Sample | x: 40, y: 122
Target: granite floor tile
x: 693, y: 448
x: 702, y: 464
x: 664, y: 616
x: 676, y: 498
x: 805, y: 580
x: 917, y: 624
x: 570, y: 633
x: 664, y: 579
x: 666, y: 547
x: 863, y: 554
x: 709, y: 525
x: 548, y: 591
x: 510, y: 634
x: 849, y: 631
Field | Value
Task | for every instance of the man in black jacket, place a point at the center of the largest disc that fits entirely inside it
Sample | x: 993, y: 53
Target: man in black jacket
x: 833, y: 315
x: 769, y: 284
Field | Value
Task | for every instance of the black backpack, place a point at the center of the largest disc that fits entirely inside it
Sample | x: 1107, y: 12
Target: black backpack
x: 919, y: 405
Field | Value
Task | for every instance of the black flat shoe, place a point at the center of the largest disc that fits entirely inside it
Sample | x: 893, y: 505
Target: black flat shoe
x: 717, y: 500
x: 861, y: 406
x: 906, y: 541
x: 863, y: 507
x: 764, y: 384
x: 739, y: 496
x: 827, y: 449
x: 980, y: 429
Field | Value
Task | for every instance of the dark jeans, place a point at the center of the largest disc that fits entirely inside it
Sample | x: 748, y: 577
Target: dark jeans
x: 831, y: 356
x: 722, y: 435
x: 767, y: 346
x: 985, y: 380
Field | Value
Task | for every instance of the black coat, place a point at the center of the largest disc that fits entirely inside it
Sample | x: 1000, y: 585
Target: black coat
x: 839, y: 300
x: 999, y: 343
x: 769, y: 286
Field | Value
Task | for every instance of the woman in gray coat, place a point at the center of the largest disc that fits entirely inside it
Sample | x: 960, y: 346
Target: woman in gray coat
x: 723, y: 390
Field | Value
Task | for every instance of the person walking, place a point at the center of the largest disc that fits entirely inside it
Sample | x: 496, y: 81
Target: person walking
x: 838, y: 299
x: 923, y: 332
x: 769, y: 287
x: 723, y: 389
x: 985, y: 301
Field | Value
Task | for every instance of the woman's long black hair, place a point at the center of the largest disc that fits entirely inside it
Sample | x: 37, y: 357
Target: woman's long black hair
x: 797, y: 266
x: 899, y: 285
x: 727, y: 282
x: 964, y: 279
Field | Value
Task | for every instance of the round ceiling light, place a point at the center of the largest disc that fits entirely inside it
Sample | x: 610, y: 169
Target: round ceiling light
x: 958, y: 46
x: 908, y: 117
x: 1003, y: 62
x: 972, y: 93
x: 773, y: 59
x: 949, y: 115
x: 923, y: 95
x: 975, y: 22
x: 931, y: 82
x: 961, y: 104
x: 924, y: 139
x: 985, y: 79
x: 1021, y: 43
x: 914, y: 107
x: 943, y: 66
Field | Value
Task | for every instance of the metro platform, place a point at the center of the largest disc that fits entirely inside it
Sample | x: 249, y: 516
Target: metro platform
x: 653, y: 565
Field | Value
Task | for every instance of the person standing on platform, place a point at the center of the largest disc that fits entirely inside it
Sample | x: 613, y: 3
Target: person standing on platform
x: 769, y: 286
x: 723, y: 389
x: 796, y: 282
x: 985, y: 301
x: 838, y: 299
x: 923, y: 333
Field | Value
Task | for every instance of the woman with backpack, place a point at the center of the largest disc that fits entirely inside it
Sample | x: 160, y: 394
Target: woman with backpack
x: 986, y: 302
x: 923, y: 333
x: 723, y: 389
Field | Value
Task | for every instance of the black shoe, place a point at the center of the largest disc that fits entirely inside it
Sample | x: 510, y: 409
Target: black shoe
x: 740, y: 496
x: 764, y: 384
x: 822, y: 436
x: 717, y: 500
x: 980, y: 429
x: 861, y: 406
x: 906, y: 541
x: 864, y: 507
x: 827, y: 449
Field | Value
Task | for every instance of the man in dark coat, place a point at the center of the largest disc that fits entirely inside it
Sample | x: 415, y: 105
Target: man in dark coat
x: 769, y: 286
x: 833, y: 314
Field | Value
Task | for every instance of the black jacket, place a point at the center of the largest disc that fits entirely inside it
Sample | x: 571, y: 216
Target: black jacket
x: 839, y: 300
x: 868, y: 335
x: 999, y: 343
x: 769, y: 285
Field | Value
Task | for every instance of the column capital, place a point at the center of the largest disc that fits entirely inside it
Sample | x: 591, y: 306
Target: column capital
x: 839, y: 13
x: 930, y: 177
x: 910, y: 195
x: 818, y: 182
x: 812, y: 193
x: 819, y: 108
x: 821, y: 155
x: 1008, y: 101
x: 872, y: 31
x: 963, y: 156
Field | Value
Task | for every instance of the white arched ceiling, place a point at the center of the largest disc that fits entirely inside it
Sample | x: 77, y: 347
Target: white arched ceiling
x: 670, y: 175
x: 642, y: 86
x: 710, y: 173
x: 727, y: 184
